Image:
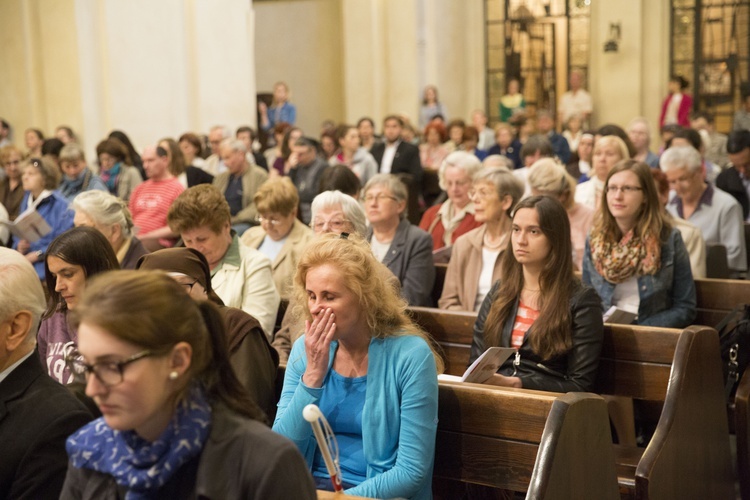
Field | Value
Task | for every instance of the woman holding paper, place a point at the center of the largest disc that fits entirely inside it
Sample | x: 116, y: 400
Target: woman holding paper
x: 634, y: 258
x: 540, y: 308
x: 40, y: 179
x: 367, y: 366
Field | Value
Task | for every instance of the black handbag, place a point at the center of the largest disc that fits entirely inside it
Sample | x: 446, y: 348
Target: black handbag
x: 734, y: 342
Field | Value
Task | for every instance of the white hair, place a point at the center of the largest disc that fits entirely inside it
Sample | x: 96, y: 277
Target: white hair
x: 681, y: 157
x: 234, y: 145
x: 461, y: 160
x: 20, y: 289
x: 351, y: 208
x: 225, y: 132
x: 105, y: 209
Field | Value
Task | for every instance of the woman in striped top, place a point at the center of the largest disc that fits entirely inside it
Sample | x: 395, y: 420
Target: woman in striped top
x: 540, y: 308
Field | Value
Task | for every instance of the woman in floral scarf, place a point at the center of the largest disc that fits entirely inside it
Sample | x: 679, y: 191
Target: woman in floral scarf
x: 176, y: 422
x: 634, y: 258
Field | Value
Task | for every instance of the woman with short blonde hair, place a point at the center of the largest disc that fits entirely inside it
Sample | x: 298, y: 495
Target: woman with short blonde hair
x: 608, y: 150
x: 280, y: 235
x: 547, y: 177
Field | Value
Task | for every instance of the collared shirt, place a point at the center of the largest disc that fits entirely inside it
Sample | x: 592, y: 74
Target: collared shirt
x: 706, y: 199
x: 232, y: 256
x: 4, y: 374
x: 388, y: 155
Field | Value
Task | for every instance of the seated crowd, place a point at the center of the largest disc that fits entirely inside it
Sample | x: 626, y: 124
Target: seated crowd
x: 179, y: 280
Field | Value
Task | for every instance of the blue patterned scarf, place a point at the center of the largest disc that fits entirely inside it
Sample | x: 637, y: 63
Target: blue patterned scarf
x: 139, y: 465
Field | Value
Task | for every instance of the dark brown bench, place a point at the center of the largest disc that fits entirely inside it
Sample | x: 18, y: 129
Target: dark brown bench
x: 689, y: 454
x: 553, y: 446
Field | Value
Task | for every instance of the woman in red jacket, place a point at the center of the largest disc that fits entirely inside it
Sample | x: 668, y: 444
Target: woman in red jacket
x: 677, y: 105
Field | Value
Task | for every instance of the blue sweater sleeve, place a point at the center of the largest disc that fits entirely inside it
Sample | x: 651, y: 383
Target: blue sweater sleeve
x: 416, y: 442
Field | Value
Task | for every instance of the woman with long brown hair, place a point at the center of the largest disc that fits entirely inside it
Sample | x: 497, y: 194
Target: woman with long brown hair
x: 634, y: 258
x: 540, y: 308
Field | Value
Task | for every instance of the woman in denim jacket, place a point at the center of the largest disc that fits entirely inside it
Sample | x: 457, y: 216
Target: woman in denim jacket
x: 634, y: 258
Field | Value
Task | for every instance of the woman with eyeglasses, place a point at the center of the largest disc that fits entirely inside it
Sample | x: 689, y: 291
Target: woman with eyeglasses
x: 40, y: 180
x: 176, y: 422
x: 280, y: 236
x: 241, y: 276
x: 455, y: 216
x: 405, y: 249
x: 540, y: 308
x: 72, y: 258
x: 11, y: 188
x: 634, y: 258
x: 477, y: 255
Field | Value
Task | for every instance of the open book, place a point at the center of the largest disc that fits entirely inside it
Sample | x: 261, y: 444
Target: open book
x: 619, y: 316
x: 29, y: 226
x: 484, y: 367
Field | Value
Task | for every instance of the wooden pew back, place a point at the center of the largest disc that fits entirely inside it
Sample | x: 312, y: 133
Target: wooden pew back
x: 555, y: 446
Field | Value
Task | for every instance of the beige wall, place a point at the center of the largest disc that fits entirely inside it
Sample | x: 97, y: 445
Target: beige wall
x: 152, y: 69
x: 632, y: 81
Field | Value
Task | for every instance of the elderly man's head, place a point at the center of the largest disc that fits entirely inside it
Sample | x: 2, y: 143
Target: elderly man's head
x: 233, y: 155
x: 683, y: 168
x: 21, y: 306
x: 217, y: 134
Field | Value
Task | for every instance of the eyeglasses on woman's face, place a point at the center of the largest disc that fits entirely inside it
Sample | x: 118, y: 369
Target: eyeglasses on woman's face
x: 267, y: 220
x: 334, y: 225
x: 379, y: 198
x: 626, y: 190
x: 109, y: 373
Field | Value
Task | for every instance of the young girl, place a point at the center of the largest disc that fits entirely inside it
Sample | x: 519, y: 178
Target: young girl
x: 72, y: 258
x: 540, y: 308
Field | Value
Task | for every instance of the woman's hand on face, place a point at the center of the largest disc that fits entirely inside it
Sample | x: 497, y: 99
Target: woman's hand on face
x: 318, y: 337
x: 24, y: 246
x: 504, y: 381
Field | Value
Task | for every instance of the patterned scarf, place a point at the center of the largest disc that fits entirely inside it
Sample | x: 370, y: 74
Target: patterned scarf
x: 135, y: 463
x: 618, y: 261
x: 110, y: 177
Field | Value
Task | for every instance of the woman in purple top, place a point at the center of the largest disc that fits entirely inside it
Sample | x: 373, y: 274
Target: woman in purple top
x: 72, y: 258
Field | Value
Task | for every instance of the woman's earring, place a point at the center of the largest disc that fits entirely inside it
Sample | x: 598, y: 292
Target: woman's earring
x: 173, y: 375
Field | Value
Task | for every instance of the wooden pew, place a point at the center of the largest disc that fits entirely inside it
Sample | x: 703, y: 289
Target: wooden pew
x: 555, y: 446
x: 715, y: 297
x: 689, y: 454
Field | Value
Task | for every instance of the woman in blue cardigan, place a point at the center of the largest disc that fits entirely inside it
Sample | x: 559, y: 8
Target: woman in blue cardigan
x: 634, y: 258
x: 371, y: 371
x: 40, y: 179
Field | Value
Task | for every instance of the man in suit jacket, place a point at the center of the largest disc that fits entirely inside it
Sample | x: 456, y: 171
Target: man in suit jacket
x: 733, y: 180
x: 36, y: 413
x: 239, y: 184
x: 395, y: 156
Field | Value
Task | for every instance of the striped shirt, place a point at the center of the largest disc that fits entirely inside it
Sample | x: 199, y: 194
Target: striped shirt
x: 525, y: 317
x: 150, y: 203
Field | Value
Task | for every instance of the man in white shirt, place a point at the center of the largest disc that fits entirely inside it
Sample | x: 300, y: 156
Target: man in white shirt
x: 575, y: 101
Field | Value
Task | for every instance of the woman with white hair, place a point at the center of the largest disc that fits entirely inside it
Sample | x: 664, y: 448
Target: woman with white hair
x: 476, y: 258
x: 332, y: 212
x: 608, y: 150
x: 110, y: 215
x: 405, y: 249
x: 455, y: 216
x: 549, y: 178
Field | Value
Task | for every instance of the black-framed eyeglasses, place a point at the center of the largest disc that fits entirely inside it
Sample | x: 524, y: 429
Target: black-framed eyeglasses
x: 109, y: 373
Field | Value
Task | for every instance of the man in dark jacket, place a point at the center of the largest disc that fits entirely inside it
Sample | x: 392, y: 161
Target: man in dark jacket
x: 36, y: 413
x: 395, y: 156
x: 735, y: 180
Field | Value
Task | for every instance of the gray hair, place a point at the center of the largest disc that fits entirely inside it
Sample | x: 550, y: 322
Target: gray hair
x: 20, y: 290
x: 72, y: 152
x: 104, y: 209
x: 640, y: 120
x: 351, y: 208
x: 397, y: 188
x: 466, y: 162
x: 505, y: 183
x: 234, y: 145
x: 225, y: 132
x: 681, y: 157
x: 498, y: 161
